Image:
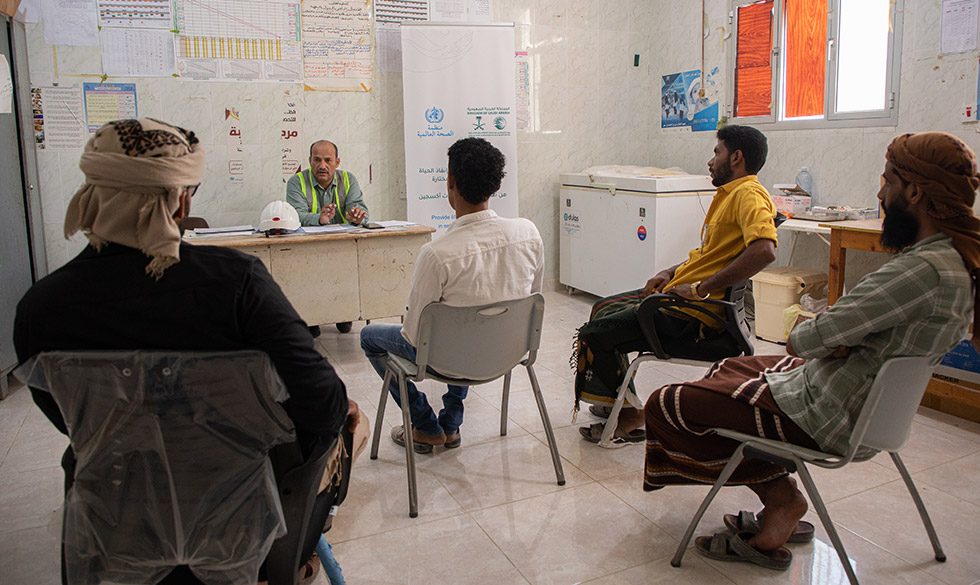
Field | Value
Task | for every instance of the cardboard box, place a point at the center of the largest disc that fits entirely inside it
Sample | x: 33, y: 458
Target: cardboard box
x: 955, y: 384
x: 791, y: 204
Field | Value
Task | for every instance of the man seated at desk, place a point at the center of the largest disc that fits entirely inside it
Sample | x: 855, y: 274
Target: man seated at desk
x: 738, y: 239
x: 324, y: 195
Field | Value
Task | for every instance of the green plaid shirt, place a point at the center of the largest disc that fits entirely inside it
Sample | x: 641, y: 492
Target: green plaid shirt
x: 918, y: 304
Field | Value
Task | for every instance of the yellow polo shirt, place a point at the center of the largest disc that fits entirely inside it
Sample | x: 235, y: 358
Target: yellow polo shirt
x: 741, y: 212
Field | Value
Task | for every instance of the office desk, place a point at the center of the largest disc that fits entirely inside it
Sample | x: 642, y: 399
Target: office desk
x: 858, y: 234
x: 331, y: 278
x: 803, y: 226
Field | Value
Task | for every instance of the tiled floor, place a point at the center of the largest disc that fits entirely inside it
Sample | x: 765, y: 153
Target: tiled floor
x: 491, y: 512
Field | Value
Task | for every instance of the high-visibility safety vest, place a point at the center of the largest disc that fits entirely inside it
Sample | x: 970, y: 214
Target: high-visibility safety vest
x: 336, y: 198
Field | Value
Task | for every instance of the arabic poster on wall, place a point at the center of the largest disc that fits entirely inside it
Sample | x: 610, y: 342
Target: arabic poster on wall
x: 458, y: 83
x: 337, y: 41
x: 290, y: 134
x: 684, y: 107
x: 105, y: 102
x: 235, y: 146
x: 59, y: 117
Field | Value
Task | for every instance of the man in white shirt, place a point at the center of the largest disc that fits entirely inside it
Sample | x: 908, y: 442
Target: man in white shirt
x: 480, y: 259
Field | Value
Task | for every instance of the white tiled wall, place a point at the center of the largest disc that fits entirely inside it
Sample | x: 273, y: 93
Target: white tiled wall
x: 590, y: 106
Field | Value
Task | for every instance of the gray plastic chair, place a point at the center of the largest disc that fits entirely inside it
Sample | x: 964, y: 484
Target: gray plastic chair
x: 469, y: 346
x: 884, y: 424
x: 184, y: 460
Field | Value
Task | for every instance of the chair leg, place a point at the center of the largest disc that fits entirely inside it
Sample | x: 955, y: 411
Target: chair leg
x: 828, y: 524
x: 933, y: 537
x: 413, y: 500
x: 546, y: 422
x: 726, y: 472
x: 504, y: 404
x: 381, y: 414
x: 609, y: 429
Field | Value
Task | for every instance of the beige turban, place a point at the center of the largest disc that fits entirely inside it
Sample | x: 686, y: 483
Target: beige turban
x: 944, y: 169
x: 135, y: 172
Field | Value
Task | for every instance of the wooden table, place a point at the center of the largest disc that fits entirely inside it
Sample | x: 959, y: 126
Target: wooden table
x: 337, y: 277
x: 858, y: 234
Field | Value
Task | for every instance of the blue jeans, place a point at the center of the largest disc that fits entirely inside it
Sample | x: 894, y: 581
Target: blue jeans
x: 377, y: 339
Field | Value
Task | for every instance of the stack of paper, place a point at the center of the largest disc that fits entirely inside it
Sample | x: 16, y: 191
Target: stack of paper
x: 234, y: 230
x: 395, y: 223
x: 325, y: 229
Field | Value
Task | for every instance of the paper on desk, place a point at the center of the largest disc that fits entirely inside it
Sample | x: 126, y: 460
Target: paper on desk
x: 395, y: 223
x: 229, y: 230
x: 325, y: 229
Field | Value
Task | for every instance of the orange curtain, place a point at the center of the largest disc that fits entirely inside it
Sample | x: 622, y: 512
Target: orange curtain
x: 753, y: 60
x: 806, y: 57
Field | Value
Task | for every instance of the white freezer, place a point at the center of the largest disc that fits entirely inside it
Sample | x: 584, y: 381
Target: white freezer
x: 616, y: 232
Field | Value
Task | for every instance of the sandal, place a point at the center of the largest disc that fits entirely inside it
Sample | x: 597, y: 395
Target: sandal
x: 746, y: 521
x: 593, y: 433
x: 728, y: 547
x: 309, y: 571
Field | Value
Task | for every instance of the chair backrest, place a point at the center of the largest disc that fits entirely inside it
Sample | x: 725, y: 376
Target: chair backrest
x: 192, y: 223
x: 479, y: 343
x: 172, y: 461
x: 886, y: 417
x: 735, y: 339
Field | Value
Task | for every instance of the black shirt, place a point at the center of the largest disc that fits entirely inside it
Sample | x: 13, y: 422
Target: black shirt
x: 213, y: 299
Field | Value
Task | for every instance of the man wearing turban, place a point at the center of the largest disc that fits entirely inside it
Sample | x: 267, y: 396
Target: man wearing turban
x: 917, y: 304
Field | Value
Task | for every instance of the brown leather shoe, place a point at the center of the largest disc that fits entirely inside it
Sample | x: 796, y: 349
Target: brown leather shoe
x: 453, y: 440
x: 422, y: 442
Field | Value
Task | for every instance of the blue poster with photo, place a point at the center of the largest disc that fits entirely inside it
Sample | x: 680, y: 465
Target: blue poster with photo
x: 683, y: 104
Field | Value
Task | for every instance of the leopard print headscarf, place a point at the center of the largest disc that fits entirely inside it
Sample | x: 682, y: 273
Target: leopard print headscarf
x: 135, y: 171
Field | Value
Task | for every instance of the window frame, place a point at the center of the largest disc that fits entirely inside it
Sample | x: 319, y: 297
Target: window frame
x: 832, y: 119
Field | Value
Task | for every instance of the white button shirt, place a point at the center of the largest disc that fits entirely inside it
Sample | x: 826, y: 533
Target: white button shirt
x: 482, y: 258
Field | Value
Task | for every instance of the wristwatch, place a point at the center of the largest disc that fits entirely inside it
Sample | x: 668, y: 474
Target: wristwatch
x: 694, y: 292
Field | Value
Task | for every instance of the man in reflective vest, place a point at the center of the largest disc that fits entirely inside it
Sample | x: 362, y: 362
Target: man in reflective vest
x: 323, y: 195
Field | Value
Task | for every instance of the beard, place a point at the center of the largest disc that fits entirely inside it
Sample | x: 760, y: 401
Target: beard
x: 721, y: 174
x: 899, y: 228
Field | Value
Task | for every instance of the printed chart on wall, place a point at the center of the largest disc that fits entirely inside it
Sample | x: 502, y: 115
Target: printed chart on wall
x: 684, y: 107
x: 238, y: 40
x: 337, y: 45
x: 105, y: 102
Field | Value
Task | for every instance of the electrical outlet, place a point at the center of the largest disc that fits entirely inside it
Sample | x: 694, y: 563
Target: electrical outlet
x: 968, y: 114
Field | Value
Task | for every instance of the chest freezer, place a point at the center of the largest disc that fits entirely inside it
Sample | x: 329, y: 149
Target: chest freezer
x: 616, y: 232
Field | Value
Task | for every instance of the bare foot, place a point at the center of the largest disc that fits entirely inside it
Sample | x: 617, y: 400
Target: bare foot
x: 784, y: 507
x: 630, y: 419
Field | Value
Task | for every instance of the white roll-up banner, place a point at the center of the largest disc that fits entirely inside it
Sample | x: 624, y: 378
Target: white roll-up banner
x: 458, y: 81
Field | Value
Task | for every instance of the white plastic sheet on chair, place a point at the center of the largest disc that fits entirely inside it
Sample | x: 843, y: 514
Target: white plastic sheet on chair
x: 171, y: 462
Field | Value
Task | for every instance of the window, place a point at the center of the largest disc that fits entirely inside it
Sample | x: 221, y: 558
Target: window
x: 814, y: 63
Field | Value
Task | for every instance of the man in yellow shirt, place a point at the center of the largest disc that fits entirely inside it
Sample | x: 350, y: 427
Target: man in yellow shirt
x: 738, y: 238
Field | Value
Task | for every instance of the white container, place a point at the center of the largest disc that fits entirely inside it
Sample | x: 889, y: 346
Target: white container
x: 616, y: 232
x: 774, y: 289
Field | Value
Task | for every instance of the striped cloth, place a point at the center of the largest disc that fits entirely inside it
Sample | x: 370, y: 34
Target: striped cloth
x: 733, y: 394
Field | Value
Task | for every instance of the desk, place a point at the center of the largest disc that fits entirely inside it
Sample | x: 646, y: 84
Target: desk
x: 802, y: 226
x: 858, y: 234
x: 337, y: 277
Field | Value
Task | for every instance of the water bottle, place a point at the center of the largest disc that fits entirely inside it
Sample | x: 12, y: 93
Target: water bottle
x: 804, y: 180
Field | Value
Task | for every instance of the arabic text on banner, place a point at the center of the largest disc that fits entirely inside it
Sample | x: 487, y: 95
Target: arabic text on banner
x: 458, y: 82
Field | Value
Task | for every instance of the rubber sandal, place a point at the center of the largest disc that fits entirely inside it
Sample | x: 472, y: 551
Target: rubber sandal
x: 593, y: 433
x: 746, y: 521
x: 309, y: 571
x: 728, y: 547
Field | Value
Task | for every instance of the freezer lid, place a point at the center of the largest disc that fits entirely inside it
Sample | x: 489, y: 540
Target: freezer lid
x: 647, y: 184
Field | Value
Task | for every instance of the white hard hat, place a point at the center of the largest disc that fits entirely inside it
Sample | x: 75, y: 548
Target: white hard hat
x: 278, y: 217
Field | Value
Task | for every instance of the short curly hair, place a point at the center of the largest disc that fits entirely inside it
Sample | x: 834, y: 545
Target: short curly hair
x: 477, y: 167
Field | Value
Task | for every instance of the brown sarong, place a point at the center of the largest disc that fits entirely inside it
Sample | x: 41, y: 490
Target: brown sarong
x: 734, y: 395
